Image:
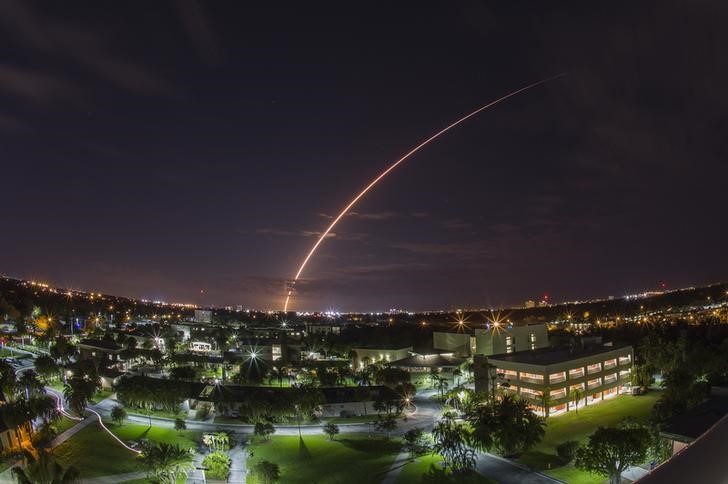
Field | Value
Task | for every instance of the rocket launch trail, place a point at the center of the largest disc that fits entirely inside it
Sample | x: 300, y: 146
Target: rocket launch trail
x: 394, y: 165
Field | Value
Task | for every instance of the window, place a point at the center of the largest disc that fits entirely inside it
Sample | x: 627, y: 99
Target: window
x: 610, y: 363
x: 531, y: 377
x: 625, y: 360
x: 610, y: 378
x: 576, y: 373
x: 557, y: 377
x: 531, y: 393
x: 595, y: 368
x: 508, y: 374
x: 579, y: 386
x: 624, y: 374
x: 556, y: 394
x: 532, y: 337
x: 509, y: 344
x: 594, y: 383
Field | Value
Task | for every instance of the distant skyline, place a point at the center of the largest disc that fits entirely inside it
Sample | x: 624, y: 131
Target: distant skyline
x: 159, y: 150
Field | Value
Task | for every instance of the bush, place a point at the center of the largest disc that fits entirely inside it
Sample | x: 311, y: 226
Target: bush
x: 332, y: 430
x: 567, y: 450
x: 118, y: 414
x: 264, y: 430
x: 266, y: 472
x: 217, y: 465
x: 203, y: 411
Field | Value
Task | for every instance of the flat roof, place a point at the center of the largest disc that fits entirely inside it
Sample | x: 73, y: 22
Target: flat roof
x: 697, y: 420
x: 428, y: 361
x: 383, y: 346
x: 553, y: 356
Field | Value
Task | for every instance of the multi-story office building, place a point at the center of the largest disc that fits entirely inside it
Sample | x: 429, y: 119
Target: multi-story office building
x: 495, y: 339
x: 558, y: 380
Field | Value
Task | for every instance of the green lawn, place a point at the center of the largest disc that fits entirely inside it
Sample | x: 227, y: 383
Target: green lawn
x: 102, y: 394
x: 350, y: 459
x: 427, y: 469
x: 94, y: 453
x: 571, y: 426
x: 127, y: 432
x: 64, y: 423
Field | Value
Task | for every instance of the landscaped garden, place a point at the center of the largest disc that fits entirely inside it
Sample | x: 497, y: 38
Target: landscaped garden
x: 351, y: 458
x: 571, y: 426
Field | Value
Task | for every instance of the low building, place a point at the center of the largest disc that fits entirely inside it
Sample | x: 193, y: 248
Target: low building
x: 14, y: 437
x: 552, y: 379
x: 443, y: 362
x: 323, y: 328
x: 494, y: 339
x: 682, y: 430
x: 98, y: 349
x: 460, y: 344
x: 366, y: 355
x: 506, y: 338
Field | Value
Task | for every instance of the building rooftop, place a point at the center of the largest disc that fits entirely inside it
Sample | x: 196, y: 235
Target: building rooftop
x: 383, y: 346
x: 553, y: 356
x: 429, y: 361
x: 697, y: 420
x: 100, y: 343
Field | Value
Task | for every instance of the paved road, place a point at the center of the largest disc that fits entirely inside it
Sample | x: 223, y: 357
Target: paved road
x: 506, y: 472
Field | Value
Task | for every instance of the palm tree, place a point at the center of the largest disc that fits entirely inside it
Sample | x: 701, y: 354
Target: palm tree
x: 452, y: 441
x: 44, y: 470
x: 168, y: 462
x: 441, y: 384
x: 575, y: 394
x: 78, y: 391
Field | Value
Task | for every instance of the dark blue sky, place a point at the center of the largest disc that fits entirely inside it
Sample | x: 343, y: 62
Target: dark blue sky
x: 155, y: 149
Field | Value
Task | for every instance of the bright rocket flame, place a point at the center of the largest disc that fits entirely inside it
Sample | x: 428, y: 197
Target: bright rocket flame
x: 394, y: 165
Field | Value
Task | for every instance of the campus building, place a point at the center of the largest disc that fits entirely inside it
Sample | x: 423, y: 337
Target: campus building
x: 557, y: 380
x: 364, y: 356
x: 492, y: 340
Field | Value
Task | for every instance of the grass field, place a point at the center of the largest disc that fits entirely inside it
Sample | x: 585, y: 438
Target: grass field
x: 127, y: 432
x: 94, y: 453
x: 64, y: 424
x: 571, y: 426
x: 428, y: 469
x: 350, y: 459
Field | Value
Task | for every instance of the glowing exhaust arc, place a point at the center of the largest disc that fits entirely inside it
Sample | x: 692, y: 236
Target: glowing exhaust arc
x: 394, y: 165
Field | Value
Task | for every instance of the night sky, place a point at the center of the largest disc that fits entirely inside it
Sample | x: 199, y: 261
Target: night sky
x: 155, y: 149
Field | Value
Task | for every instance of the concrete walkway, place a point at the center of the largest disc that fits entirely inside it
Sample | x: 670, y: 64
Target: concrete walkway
x: 129, y: 476
x: 399, y: 462
x: 197, y: 475
x: 505, y: 471
x: 238, y: 468
x: 72, y: 431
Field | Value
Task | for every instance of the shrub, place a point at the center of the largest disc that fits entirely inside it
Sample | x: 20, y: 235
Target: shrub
x: 567, y: 450
x: 264, y: 429
x: 266, y: 472
x: 203, y: 411
x: 217, y: 465
x: 331, y: 429
x: 118, y: 414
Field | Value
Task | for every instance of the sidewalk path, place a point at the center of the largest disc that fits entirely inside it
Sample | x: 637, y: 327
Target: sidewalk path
x: 399, y: 462
x: 197, y: 475
x: 72, y: 431
x: 238, y: 468
x: 113, y: 479
x: 507, y: 472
